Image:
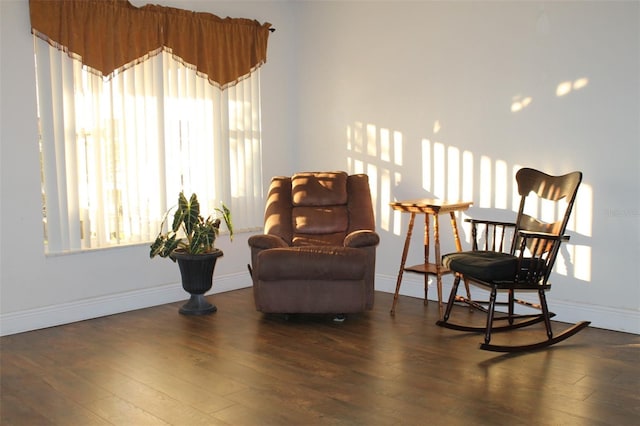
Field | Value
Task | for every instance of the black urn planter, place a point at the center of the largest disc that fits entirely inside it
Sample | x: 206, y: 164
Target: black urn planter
x: 197, y: 278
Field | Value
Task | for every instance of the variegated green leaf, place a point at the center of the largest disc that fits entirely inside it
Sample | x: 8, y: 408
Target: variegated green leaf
x: 191, y: 212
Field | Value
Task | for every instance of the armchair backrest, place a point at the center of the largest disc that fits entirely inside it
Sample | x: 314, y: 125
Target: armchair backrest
x: 318, y: 208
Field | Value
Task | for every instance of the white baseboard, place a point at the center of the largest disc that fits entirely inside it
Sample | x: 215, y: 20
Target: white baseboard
x: 80, y: 310
x: 412, y: 285
x: 624, y: 320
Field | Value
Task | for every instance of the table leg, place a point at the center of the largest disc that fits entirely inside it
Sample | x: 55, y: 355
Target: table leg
x: 426, y: 256
x: 456, y: 236
x: 438, y: 262
x: 403, y: 260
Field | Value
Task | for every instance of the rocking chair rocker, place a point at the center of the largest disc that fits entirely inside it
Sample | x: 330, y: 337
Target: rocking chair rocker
x: 526, y: 267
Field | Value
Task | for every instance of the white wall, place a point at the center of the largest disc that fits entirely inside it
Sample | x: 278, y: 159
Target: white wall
x: 373, y: 69
x: 340, y: 76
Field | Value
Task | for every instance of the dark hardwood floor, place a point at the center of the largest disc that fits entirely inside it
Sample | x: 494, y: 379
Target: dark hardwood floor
x: 239, y: 367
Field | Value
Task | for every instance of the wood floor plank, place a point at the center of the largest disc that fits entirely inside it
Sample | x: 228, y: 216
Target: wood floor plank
x: 118, y: 411
x: 28, y: 398
x: 14, y: 411
x: 240, y: 367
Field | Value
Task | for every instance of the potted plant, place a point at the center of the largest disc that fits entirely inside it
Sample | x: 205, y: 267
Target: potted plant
x: 191, y: 242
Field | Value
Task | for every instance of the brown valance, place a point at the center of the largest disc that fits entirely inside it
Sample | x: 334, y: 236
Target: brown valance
x: 109, y: 35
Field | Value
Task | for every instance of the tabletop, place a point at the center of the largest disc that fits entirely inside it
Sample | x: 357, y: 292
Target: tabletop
x: 430, y: 205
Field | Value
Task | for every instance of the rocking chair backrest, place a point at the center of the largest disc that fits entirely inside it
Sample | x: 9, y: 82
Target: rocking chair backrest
x: 553, y: 189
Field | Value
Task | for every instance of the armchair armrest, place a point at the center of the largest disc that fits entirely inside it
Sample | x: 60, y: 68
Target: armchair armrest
x: 363, y: 238
x: 266, y: 241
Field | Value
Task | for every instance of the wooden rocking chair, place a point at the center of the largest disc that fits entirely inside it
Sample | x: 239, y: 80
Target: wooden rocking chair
x: 525, y: 268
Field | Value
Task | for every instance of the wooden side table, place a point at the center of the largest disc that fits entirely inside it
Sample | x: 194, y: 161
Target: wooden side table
x: 429, y: 207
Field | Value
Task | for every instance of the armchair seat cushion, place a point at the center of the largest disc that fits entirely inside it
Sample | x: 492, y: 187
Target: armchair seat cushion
x: 312, y: 263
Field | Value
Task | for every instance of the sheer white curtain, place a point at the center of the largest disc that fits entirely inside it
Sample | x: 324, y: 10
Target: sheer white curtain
x: 116, y: 153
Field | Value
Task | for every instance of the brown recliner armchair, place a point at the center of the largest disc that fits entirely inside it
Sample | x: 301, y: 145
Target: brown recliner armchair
x: 318, y: 250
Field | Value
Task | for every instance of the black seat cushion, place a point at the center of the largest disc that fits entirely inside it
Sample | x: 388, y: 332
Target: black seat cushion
x: 487, y: 266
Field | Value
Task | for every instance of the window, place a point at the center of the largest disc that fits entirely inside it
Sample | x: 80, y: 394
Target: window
x: 116, y: 152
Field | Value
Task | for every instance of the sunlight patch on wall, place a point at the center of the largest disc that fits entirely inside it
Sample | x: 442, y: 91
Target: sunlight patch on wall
x: 385, y: 199
x: 580, y: 83
x: 515, y: 197
x: 567, y: 87
x: 354, y: 137
x: 397, y: 216
x: 397, y: 148
x: 518, y: 103
x: 453, y: 173
x: 439, y: 170
x: 548, y: 210
x: 502, y: 177
x: 372, y: 140
x: 372, y: 172
x: 574, y: 261
x: 486, y: 185
x: 582, y: 262
x: 582, y: 222
x: 563, y: 88
x: 436, y: 127
x: 359, y: 166
x: 467, y: 176
x: 385, y: 145
x: 426, y: 159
